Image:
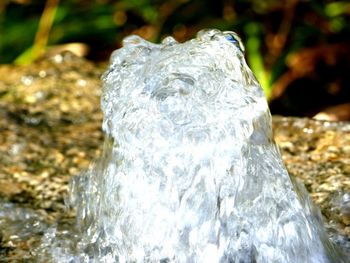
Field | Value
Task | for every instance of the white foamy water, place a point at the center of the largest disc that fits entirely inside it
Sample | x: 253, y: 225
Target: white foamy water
x: 190, y: 171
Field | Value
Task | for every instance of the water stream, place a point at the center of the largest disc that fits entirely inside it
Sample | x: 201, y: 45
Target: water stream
x: 190, y: 172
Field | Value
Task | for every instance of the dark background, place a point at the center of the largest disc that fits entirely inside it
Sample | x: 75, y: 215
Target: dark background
x: 298, y: 49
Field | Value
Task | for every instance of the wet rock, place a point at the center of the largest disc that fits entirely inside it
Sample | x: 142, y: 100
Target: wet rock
x: 317, y: 153
x: 61, y: 88
x: 50, y: 128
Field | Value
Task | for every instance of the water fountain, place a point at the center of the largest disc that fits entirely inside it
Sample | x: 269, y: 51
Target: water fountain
x: 190, y: 172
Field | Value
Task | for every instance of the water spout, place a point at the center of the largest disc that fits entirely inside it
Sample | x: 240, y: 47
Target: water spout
x: 190, y: 171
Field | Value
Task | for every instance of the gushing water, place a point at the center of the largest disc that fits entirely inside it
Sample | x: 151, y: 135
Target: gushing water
x: 190, y: 172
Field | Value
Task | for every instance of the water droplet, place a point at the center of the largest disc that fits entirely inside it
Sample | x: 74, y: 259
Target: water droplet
x: 42, y: 73
x: 27, y: 80
x: 58, y: 58
x: 169, y: 41
x: 81, y: 82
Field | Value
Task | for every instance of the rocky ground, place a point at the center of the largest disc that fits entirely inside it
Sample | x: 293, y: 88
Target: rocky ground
x: 50, y: 130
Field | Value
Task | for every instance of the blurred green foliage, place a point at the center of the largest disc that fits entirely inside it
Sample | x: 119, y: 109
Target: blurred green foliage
x: 271, y: 29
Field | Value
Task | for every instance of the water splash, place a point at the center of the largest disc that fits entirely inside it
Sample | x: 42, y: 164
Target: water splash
x: 190, y: 172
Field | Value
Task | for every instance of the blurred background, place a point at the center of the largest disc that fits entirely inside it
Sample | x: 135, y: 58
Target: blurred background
x: 298, y: 49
